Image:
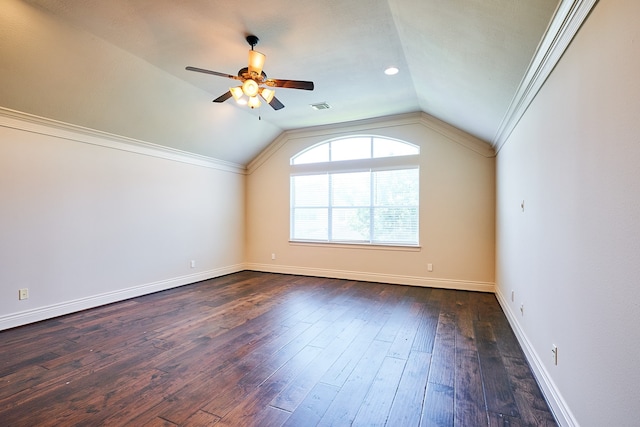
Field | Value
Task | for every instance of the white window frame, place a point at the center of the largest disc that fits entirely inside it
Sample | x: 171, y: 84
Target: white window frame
x: 345, y: 166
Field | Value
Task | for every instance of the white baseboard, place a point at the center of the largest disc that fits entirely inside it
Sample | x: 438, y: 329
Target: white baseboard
x: 47, y: 312
x: 559, y: 407
x: 464, y: 285
x: 563, y: 414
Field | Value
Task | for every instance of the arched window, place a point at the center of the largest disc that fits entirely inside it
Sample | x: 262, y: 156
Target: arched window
x: 360, y: 189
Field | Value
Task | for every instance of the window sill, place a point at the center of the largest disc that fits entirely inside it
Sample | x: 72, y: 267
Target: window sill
x: 346, y: 245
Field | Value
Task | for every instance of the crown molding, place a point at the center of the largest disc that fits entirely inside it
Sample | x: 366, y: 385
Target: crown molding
x: 370, y: 126
x: 44, y: 126
x: 458, y: 136
x: 566, y: 22
x: 329, y: 131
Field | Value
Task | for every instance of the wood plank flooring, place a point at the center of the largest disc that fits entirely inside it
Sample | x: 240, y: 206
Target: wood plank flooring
x: 260, y: 349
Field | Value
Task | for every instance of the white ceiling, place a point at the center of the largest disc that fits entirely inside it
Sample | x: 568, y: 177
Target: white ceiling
x: 118, y: 66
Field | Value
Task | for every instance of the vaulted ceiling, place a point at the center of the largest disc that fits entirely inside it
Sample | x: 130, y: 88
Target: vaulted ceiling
x: 118, y: 66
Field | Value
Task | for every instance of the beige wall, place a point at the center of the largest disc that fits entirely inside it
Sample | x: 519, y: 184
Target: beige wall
x: 87, y: 219
x: 573, y: 256
x: 456, y: 212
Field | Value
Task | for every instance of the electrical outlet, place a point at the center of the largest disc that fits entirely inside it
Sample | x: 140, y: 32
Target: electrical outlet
x: 429, y: 267
x: 554, y: 351
x: 273, y: 256
x: 513, y: 296
x: 23, y: 293
x: 522, y: 309
x: 193, y: 263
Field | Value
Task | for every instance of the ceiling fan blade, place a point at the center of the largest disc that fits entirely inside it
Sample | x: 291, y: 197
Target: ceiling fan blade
x: 289, y: 84
x: 215, y: 73
x: 276, y: 104
x: 223, y: 97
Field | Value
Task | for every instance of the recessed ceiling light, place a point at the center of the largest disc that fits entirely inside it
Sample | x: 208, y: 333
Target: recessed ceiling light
x: 391, y: 71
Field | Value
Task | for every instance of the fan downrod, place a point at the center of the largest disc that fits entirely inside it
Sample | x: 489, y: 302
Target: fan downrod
x: 252, y: 40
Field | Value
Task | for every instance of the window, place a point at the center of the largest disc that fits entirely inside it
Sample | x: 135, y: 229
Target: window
x: 356, y: 190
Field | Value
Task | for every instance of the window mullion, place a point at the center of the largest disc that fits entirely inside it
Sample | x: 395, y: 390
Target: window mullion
x: 371, y: 148
x: 392, y: 185
x: 330, y: 209
x: 371, y: 194
x: 371, y: 202
x: 292, y: 207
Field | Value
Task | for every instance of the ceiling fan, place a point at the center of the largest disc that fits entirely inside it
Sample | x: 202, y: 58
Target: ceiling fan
x: 253, y: 80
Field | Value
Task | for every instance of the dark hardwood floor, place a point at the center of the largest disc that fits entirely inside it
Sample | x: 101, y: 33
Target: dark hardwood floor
x: 259, y: 349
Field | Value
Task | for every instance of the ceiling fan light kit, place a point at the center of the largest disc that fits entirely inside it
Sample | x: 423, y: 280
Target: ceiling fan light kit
x: 267, y: 94
x: 253, y: 78
x: 250, y: 88
x: 236, y: 92
x: 254, y: 102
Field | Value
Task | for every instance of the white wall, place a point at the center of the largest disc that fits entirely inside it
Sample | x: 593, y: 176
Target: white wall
x: 573, y: 256
x: 87, y: 219
x: 457, y: 193
x: 92, y: 83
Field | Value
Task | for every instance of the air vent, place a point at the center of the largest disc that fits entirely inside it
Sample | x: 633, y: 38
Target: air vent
x: 320, y: 106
